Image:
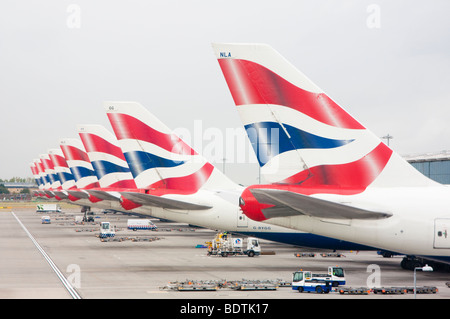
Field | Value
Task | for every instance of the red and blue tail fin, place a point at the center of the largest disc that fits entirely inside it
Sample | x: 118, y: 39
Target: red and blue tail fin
x: 157, y: 157
x: 45, y: 182
x: 38, y: 177
x: 300, y: 135
x: 79, y: 164
x: 106, y: 157
x: 49, y: 169
x: 62, y: 170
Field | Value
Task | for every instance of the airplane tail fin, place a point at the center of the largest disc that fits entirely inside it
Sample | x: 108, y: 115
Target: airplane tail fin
x: 35, y: 173
x: 299, y: 134
x: 45, y: 185
x: 49, y: 169
x: 62, y: 169
x: 157, y: 157
x: 106, y: 157
x: 41, y: 172
x: 37, y: 176
x: 79, y: 164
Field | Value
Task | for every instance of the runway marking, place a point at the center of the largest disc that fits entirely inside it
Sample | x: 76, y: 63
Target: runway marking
x: 73, y: 293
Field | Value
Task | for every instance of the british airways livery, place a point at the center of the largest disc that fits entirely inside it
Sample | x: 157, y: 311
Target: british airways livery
x: 81, y: 168
x: 328, y: 174
x: 177, y: 183
x: 64, y: 175
x: 109, y: 165
x: 38, y: 178
x: 106, y: 157
x: 53, y: 182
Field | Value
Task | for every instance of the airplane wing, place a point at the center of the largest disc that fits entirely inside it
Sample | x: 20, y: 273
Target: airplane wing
x: 157, y: 201
x: 291, y: 204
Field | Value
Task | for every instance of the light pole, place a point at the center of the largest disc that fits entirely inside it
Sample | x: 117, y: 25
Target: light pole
x: 424, y: 268
x: 388, y: 137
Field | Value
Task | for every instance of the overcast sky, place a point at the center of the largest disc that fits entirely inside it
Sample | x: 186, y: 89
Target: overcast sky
x: 386, y: 62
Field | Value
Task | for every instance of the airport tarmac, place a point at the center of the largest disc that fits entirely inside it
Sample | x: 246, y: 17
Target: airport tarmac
x: 33, y: 253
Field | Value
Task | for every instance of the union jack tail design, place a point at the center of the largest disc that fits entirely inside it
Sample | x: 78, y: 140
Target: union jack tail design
x: 35, y: 173
x: 63, y: 174
x: 106, y: 157
x: 157, y: 157
x: 299, y: 134
x: 79, y: 164
x: 45, y: 182
x: 37, y: 177
x: 49, y: 169
x: 62, y: 169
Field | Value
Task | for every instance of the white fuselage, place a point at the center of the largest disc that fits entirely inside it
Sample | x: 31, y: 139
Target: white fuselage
x: 419, y: 225
x: 224, y: 214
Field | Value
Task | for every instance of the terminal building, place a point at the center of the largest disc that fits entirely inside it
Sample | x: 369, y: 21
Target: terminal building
x: 17, y: 191
x: 433, y: 165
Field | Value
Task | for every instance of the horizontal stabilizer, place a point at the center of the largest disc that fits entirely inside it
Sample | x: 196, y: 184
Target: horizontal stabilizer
x: 49, y: 194
x: 103, y: 195
x: 61, y: 194
x: 287, y: 203
x: 157, y: 201
x: 78, y: 194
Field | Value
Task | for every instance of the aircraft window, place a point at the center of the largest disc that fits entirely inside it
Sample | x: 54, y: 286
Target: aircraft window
x: 439, y: 233
x: 241, y: 201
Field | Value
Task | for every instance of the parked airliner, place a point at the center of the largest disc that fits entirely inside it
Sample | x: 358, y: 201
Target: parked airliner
x: 328, y: 174
x: 179, y: 184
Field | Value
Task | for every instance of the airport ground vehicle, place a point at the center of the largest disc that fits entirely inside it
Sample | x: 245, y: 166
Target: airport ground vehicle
x: 106, y: 230
x: 224, y: 244
x: 307, y: 281
x: 136, y: 224
x: 40, y: 208
x: 84, y: 219
x: 45, y: 220
x: 336, y: 274
x: 303, y: 281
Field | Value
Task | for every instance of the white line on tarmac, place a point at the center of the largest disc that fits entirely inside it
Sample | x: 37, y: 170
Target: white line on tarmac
x: 73, y: 293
